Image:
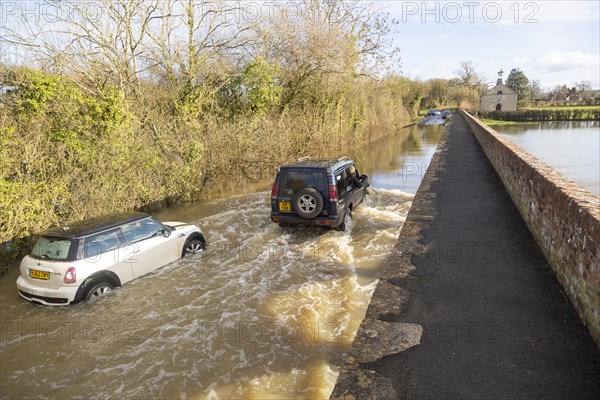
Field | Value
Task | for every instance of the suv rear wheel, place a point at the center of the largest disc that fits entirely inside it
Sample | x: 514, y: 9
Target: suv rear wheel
x: 347, y: 219
x: 307, y: 203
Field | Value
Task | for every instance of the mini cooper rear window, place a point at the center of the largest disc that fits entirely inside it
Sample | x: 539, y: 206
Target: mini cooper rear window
x: 51, y: 248
x: 295, y: 179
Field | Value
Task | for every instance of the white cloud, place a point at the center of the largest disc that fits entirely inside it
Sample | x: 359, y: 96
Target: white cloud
x: 555, y: 61
x: 448, y: 64
x: 524, y: 60
x: 562, y: 67
x: 568, y: 11
x: 493, y: 12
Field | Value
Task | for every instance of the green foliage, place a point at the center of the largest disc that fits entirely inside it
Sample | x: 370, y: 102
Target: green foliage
x: 556, y: 114
x: 36, y: 91
x: 193, y: 101
x: 57, y: 141
x: 518, y: 82
x: 255, y: 91
x: 67, y: 154
x: 108, y: 134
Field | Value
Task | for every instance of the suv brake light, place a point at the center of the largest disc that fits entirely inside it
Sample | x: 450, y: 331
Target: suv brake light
x: 275, y: 190
x: 333, y: 193
x: 70, y: 275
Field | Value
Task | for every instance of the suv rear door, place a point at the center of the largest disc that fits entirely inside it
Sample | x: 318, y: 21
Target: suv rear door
x: 293, y: 179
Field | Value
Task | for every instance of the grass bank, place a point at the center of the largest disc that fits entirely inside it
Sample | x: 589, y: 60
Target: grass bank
x: 504, y: 123
x: 545, y: 114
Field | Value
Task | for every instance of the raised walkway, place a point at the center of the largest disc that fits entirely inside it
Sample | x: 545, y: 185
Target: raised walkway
x: 469, y: 300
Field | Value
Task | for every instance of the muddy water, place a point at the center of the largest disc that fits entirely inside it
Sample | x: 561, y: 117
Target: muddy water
x: 262, y: 313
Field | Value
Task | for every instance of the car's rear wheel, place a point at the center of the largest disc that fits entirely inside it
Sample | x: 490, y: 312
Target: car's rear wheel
x: 98, y: 290
x: 307, y: 203
x: 193, y: 246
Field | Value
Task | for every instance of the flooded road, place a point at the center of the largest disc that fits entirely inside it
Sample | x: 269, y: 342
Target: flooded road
x: 263, y: 313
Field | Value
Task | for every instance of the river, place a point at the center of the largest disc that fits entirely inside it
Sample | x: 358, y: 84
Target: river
x: 570, y: 147
x: 262, y: 313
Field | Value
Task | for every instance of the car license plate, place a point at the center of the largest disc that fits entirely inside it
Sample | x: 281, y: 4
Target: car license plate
x: 34, y: 273
x: 285, y: 206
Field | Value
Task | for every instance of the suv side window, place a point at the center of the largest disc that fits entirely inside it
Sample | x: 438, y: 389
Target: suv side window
x: 350, y: 182
x: 141, y: 230
x: 342, y: 183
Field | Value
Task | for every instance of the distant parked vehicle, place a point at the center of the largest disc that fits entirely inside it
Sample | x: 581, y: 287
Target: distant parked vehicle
x: 317, y: 192
x: 432, y: 113
x: 446, y: 114
x: 90, y: 258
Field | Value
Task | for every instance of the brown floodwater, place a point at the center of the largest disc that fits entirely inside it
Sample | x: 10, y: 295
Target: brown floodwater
x: 263, y: 313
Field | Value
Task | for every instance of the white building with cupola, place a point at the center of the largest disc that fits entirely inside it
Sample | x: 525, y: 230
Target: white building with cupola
x: 498, y: 98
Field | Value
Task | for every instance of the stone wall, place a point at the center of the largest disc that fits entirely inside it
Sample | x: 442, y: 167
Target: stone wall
x: 563, y: 217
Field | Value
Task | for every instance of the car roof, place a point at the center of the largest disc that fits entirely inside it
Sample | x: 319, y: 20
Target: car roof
x: 93, y: 225
x: 333, y: 163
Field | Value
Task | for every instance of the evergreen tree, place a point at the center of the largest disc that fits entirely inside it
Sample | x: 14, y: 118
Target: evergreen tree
x: 518, y: 82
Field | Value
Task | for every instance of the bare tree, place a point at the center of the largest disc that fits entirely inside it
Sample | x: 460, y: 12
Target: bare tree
x: 108, y: 47
x: 583, y: 87
x: 187, y: 41
x: 193, y: 35
x: 535, y: 89
x: 467, y: 73
x: 327, y: 41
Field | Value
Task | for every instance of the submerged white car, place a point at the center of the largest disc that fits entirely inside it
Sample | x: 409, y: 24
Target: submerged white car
x: 89, y: 258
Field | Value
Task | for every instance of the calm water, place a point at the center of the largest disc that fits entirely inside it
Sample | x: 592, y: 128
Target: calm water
x: 571, y: 147
x: 263, y: 313
x: 399, y: 162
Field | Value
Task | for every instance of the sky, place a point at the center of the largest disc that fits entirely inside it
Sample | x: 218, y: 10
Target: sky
x: 555, y: 42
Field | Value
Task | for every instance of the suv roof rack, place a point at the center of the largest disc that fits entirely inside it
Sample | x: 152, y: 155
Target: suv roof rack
x: 304, y: 158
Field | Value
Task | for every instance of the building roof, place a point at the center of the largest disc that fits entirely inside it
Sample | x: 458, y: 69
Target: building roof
x: 494, y: 91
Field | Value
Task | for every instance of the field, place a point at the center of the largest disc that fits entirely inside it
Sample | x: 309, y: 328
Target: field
x: 561, y: 108
x: 496, y: 122
x: 583, y: 113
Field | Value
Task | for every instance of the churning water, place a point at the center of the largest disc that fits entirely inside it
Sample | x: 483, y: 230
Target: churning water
x: 263, y: 313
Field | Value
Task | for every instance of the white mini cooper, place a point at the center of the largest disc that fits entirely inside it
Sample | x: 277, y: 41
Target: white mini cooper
x: 91, y: 257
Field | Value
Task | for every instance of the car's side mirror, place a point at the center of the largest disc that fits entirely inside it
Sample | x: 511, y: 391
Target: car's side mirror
x: 166, y: 232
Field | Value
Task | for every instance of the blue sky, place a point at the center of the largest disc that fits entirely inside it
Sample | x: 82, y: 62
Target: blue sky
x: 556, y: 42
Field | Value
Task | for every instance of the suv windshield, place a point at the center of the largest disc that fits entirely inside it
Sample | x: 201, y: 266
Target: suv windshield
x: 51, y: 248
x: 295, y: 179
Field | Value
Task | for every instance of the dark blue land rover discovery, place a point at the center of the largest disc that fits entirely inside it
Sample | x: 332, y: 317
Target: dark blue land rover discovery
x: 317, y: 192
